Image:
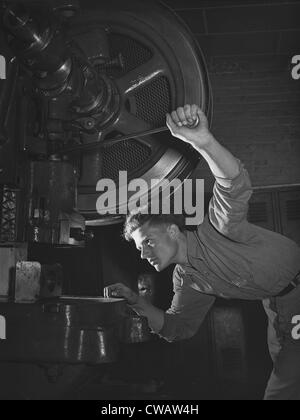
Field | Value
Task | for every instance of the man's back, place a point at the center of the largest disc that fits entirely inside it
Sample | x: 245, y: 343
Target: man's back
x: 257, y: 268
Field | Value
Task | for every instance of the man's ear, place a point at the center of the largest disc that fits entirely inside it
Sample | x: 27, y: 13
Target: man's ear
x: 173, y: 231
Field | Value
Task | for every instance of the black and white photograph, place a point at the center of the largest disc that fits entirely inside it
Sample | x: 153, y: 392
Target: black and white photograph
x: 149, y: 203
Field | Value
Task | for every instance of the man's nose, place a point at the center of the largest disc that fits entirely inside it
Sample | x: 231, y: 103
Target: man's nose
x: 145, y: 253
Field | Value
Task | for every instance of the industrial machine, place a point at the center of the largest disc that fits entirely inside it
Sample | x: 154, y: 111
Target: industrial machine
x: 87, y: 89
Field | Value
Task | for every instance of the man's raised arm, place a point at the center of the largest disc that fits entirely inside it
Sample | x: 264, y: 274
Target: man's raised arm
x: 229, y: 205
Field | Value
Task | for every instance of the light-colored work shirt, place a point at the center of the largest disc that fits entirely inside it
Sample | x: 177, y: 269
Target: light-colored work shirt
x: 228, y: 258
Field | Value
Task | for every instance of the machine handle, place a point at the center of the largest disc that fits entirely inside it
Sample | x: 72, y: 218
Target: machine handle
x: 194, y: 124
x: 110, y: 142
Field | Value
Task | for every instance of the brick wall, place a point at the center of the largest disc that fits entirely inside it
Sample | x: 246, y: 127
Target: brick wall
x: 248, y: 46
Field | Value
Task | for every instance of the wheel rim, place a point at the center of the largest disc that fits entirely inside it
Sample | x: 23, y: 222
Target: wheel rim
x: 163, y: 69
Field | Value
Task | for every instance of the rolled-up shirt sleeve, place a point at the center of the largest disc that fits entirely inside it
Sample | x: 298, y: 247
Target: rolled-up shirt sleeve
x: 229, y: 205
x: 187, y: 312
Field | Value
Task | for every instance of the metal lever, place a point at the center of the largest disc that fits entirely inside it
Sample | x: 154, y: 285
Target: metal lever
x: 109, y: 143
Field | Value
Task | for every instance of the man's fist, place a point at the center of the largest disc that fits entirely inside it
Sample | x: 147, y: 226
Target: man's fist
x: 120, y: 290
x: 180, y: 123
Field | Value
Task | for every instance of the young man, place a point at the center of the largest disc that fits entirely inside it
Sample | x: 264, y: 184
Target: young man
x: 226, y: 256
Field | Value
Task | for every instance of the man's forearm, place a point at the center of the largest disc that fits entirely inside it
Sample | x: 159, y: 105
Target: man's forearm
x: 221, y: 162
x: 154, y: 315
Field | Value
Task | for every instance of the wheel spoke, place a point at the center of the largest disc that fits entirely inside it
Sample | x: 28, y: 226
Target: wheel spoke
x: 140, y: 76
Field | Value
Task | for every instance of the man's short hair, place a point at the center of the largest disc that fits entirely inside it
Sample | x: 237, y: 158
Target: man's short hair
x: 137, y: 219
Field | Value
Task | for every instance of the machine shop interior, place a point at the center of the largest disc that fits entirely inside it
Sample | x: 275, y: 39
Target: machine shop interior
x: 79, y: 77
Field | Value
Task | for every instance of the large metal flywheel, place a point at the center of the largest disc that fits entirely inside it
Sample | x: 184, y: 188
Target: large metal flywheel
x: 155, y: 66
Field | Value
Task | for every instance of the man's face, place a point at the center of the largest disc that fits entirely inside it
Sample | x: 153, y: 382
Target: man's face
x: 157, y: 245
